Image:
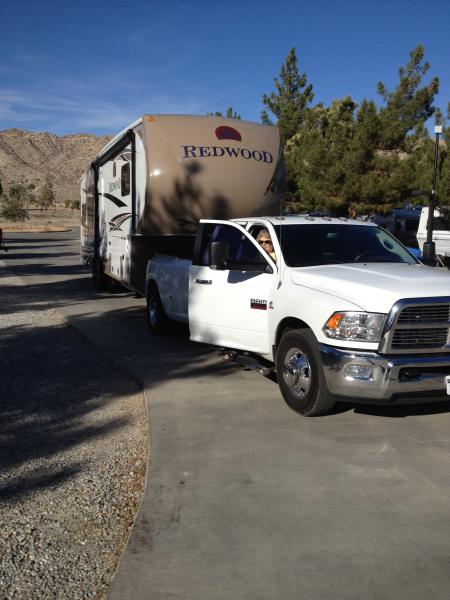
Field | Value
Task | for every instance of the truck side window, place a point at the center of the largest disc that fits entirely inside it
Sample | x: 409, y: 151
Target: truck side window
x: 241, y: 249
x: 202, y: 242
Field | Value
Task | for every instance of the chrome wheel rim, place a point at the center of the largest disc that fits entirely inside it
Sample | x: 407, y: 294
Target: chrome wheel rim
x: 297, y: 372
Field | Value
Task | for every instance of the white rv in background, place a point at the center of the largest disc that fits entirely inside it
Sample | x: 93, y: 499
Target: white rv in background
x: 151, y: 184
x: 441, y: 232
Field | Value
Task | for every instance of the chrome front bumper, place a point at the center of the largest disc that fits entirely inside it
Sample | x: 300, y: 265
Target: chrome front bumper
x: 384, y: 378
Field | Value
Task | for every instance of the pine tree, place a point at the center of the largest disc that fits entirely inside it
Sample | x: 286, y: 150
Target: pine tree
x: 230, y: 114
x: 289, y: 102
x: 409, y: 105
x: 46, y: 195
x: 17, y: 193
x: 14, y: 206
x: 317, y: 157
x: 353, y: 160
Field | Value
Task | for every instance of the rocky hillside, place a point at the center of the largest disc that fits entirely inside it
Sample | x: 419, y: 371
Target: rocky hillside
x: 27, y: 157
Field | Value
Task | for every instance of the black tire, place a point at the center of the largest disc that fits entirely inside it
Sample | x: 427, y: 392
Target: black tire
x: 99, y: 279
x: 157, y: 320
x: 300, y: 374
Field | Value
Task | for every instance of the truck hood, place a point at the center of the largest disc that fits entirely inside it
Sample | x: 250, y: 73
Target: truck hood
x: 374, y: 287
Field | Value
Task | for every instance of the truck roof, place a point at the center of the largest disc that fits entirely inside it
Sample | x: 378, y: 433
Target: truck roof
x: 306, y: 219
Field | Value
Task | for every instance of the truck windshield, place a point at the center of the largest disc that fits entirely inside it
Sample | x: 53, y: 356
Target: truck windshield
x: 324, y: 244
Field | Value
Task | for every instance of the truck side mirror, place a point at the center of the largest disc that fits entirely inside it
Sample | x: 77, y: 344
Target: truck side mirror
x: 218, y: 255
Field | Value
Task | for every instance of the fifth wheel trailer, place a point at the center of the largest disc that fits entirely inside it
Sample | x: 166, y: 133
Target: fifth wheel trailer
x: 151, y: 184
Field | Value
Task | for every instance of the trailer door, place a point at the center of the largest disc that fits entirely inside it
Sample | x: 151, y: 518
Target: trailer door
x: 116, y: 176
x: 230, y: 307
x: 121, y: 231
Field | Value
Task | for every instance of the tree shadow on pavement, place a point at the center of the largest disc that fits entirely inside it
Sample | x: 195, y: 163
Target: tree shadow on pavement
x: 54, y: 381
x: 54, y: 386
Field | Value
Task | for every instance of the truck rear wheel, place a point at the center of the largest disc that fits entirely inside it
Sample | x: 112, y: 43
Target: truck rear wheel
x: 300, y: 374
x: 158, y: 321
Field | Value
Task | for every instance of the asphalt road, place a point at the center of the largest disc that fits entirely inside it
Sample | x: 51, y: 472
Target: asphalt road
x: 246, y: 499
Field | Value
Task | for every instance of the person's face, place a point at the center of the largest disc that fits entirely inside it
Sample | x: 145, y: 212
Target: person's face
x: 266, y: 243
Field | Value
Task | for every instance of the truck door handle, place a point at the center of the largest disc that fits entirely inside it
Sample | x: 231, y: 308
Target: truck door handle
x: 204, y: 281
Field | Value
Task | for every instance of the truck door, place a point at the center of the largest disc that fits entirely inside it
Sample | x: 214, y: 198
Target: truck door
x: 231, y: 307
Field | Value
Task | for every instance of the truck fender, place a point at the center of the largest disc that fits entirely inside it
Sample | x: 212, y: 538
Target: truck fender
x: 285, y: 325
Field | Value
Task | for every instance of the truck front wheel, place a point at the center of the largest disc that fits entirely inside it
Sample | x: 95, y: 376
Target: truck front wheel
x: 157, y: 319
x: 300, y: 374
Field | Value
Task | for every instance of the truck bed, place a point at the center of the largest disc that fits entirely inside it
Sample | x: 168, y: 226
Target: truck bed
x: 172, y: 275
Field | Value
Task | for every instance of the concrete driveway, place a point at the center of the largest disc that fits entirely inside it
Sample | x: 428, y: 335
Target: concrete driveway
x: 246, y: 499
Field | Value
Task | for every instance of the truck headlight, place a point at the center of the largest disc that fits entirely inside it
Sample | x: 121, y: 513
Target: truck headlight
x: 362, y: 326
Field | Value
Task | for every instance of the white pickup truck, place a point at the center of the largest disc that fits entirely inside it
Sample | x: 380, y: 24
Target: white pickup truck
x: 343, y: 311
x: 441, y: 233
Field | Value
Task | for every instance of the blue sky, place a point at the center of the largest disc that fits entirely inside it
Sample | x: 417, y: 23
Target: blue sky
x: 94, y: 67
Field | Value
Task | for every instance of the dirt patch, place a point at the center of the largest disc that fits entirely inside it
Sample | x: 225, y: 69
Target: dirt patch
x: 59, y: 219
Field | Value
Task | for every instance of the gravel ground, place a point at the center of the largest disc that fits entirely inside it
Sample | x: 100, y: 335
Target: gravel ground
x: 73, y: 452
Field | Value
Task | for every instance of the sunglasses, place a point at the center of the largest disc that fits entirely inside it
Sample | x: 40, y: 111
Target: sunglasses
x: 261, y: 242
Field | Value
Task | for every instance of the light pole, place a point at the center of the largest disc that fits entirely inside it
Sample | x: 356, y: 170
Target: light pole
x: 429, y: 249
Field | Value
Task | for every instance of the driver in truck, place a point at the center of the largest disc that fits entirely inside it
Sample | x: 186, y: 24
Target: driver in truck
x: 263, y: 238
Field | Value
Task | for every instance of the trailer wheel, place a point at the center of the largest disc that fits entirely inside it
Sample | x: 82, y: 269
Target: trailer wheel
x: 300, y: 374
x: 100, y: 280
x: 158, y: 321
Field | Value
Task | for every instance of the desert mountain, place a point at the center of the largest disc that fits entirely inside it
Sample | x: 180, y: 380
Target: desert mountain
x: 28, y: 157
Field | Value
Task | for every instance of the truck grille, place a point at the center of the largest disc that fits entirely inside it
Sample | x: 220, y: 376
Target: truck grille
x: 418, y: 325
x: 419, y: 338
x: 421, y: 314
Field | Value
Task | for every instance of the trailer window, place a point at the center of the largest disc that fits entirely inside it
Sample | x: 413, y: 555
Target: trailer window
x: 125, y: 179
